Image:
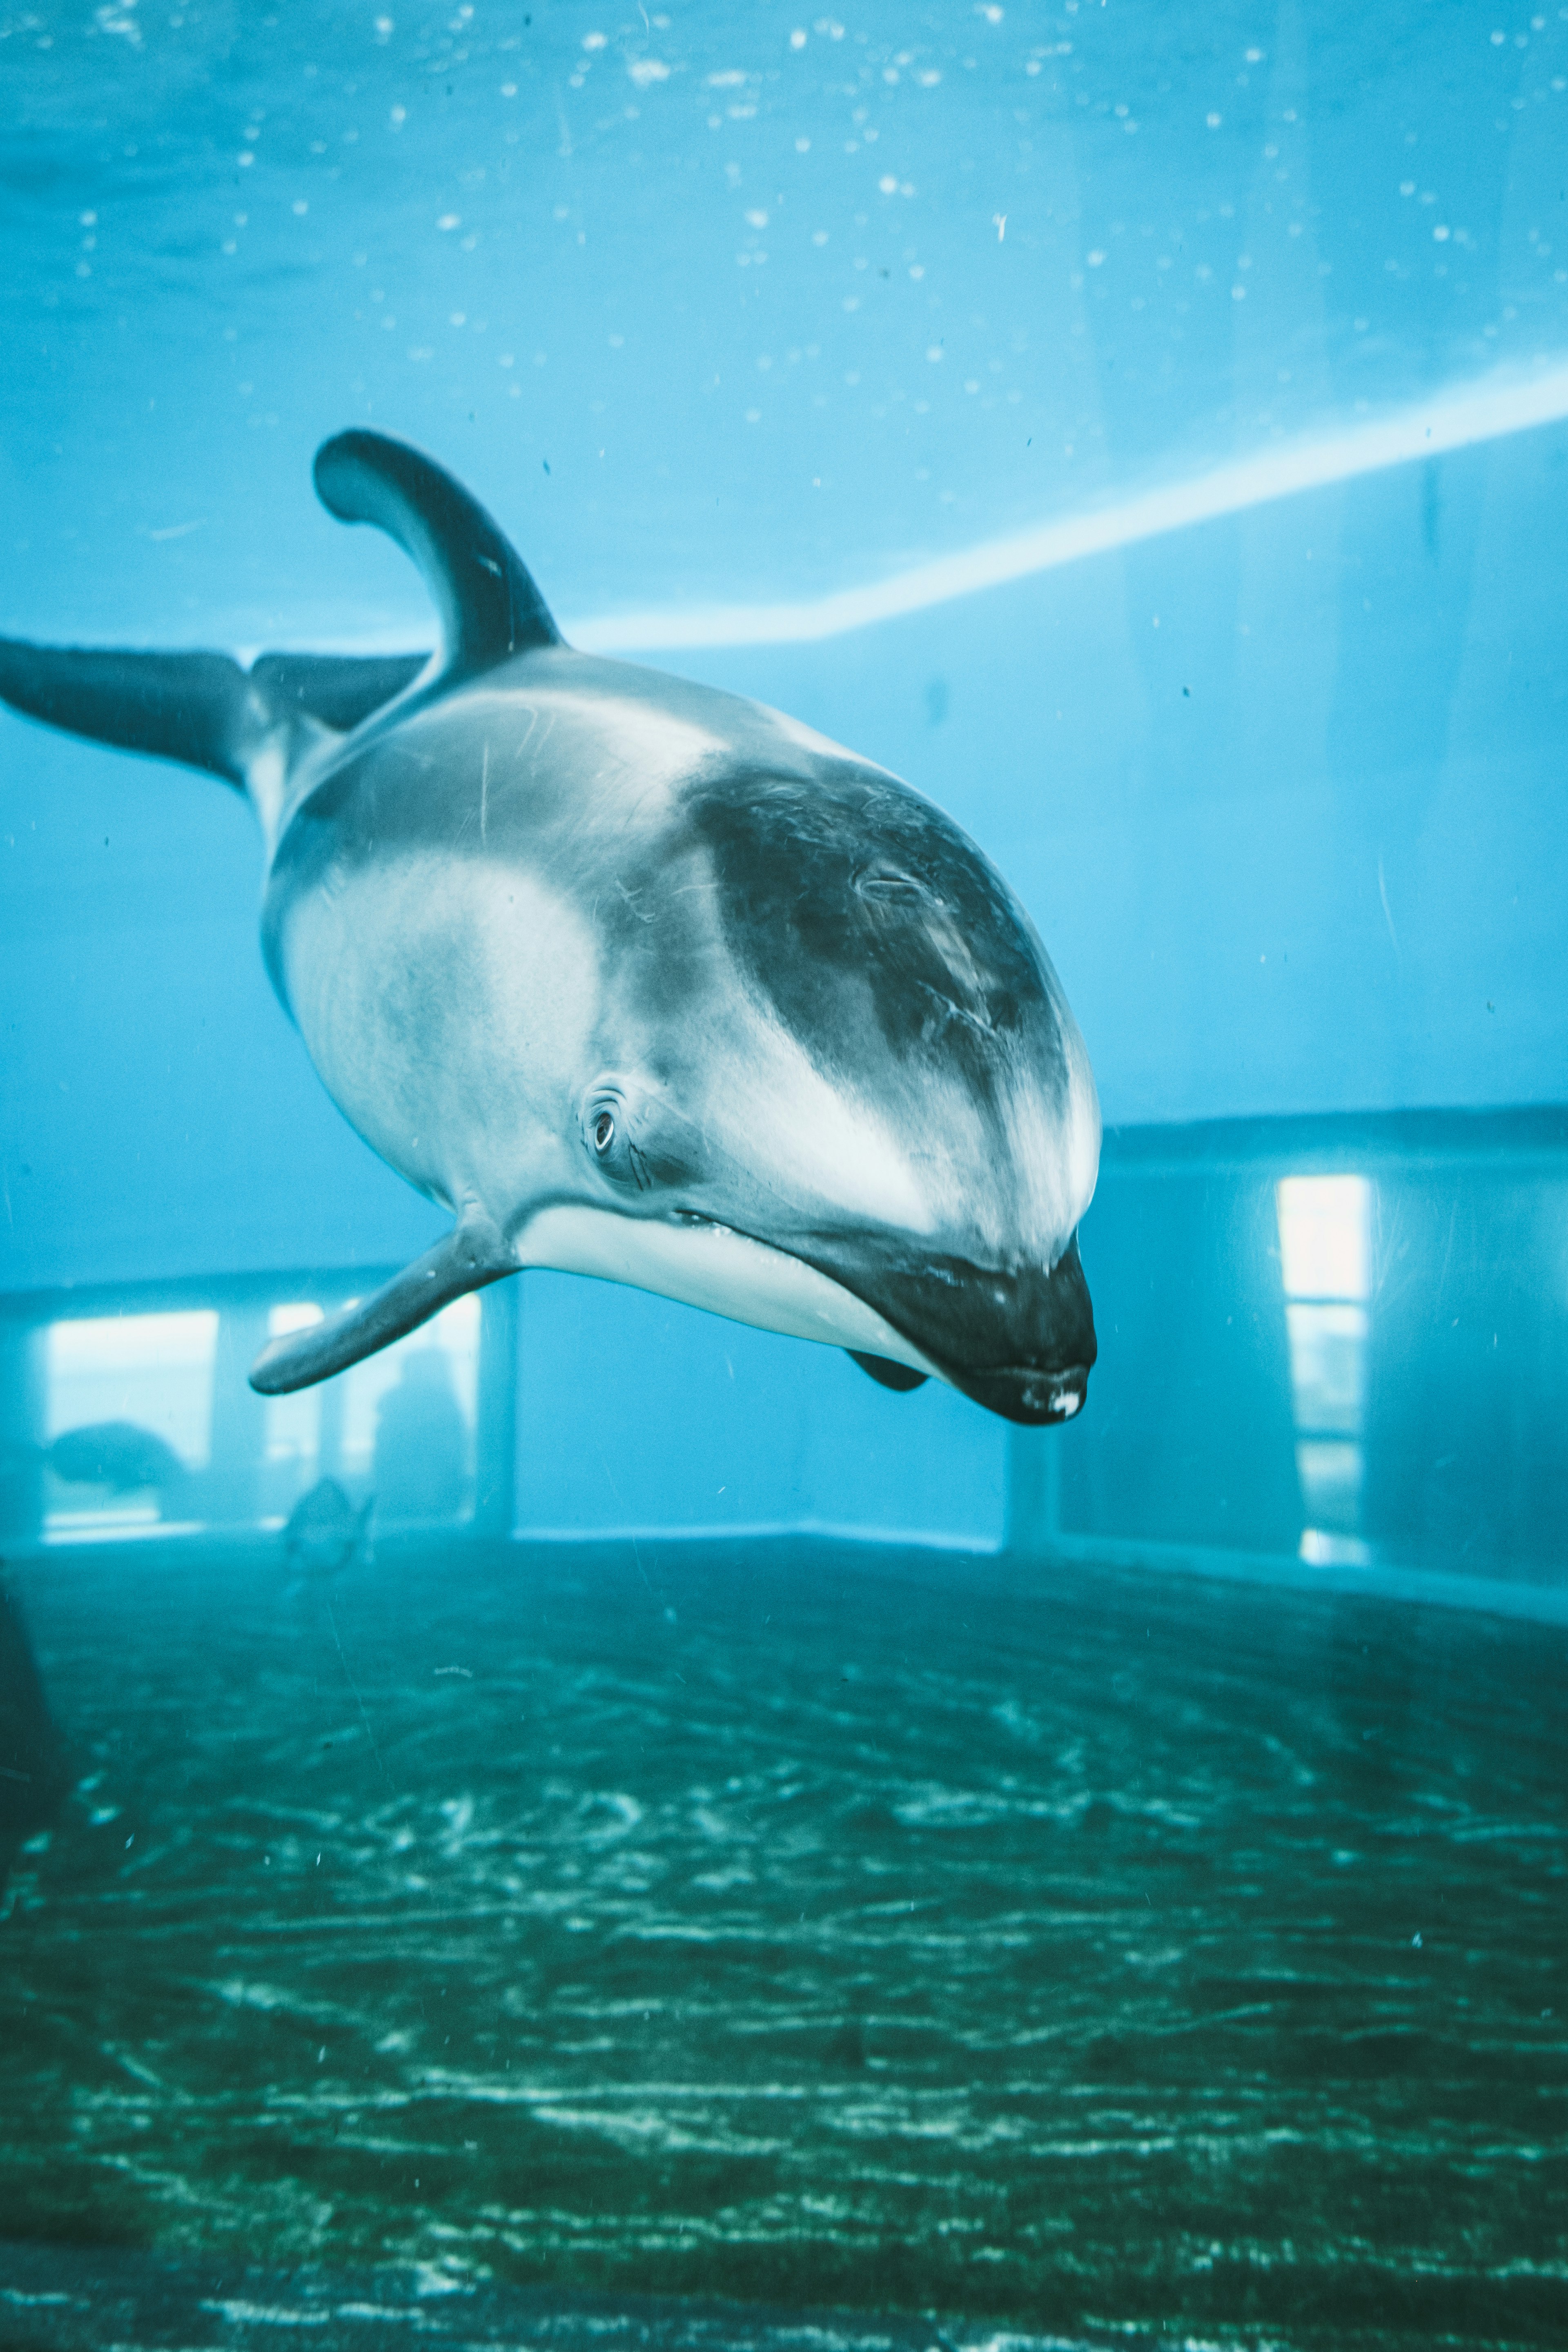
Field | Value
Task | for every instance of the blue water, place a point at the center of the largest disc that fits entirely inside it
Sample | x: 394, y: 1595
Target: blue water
x: 1108, y: 1878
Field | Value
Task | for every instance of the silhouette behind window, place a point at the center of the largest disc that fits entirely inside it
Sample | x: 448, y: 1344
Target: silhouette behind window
x: 421, y: 1443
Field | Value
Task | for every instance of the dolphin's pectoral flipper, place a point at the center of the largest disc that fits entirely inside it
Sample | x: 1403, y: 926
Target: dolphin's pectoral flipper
x: 471, y: 1255
x: 186, y: 706
x: 201, y: 708
x: 479, y: 585
x: 888, y: 1374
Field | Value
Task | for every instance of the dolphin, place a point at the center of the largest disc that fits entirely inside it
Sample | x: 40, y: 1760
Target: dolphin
x: 636, y: 979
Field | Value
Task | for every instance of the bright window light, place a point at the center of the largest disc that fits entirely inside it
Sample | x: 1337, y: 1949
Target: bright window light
x: 280, y: 1321
x: 1324, y: 1229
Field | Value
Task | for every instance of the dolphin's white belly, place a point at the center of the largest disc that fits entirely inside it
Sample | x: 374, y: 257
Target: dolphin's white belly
x: 448, y: 1005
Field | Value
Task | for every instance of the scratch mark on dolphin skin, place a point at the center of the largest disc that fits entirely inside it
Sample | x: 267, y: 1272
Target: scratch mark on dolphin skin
x: 631, y: 898
x: 484, y: 793
x: 533, y: 717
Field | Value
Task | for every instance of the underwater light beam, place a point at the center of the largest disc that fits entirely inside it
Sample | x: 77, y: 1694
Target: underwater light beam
x: 1496, y: 406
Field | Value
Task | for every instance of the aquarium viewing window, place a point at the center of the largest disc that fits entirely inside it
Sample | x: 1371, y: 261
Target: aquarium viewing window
x: 146, y: 1374
x: 1325, y: 1250
x: 337, y: 1432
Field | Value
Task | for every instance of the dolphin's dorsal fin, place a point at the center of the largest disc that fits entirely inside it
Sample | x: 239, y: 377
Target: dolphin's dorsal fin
x: 473, y: 1254
x: 481, y: 589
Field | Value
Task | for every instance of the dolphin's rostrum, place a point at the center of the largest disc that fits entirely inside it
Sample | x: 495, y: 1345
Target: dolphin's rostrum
x: 637, y: 978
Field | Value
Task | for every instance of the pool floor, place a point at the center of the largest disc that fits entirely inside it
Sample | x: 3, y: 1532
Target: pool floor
x: 790, y: 1926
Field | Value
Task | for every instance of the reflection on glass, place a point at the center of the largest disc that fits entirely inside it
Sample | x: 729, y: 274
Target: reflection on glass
x: 852, y: 1850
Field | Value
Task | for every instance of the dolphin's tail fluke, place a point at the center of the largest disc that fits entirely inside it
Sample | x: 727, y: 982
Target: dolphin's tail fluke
x: 184, y: 707
x: 200, y: 708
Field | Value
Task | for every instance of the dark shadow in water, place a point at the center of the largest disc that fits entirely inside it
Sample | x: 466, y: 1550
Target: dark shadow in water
x: 34, y: 1775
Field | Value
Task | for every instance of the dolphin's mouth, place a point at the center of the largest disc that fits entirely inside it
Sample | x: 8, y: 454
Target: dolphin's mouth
x: 1020, y: 1343
x: 1027, y: 1393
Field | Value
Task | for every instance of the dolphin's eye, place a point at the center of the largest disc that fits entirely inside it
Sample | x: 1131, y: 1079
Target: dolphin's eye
x: 607, y: 1133
x: 622, y: 1134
